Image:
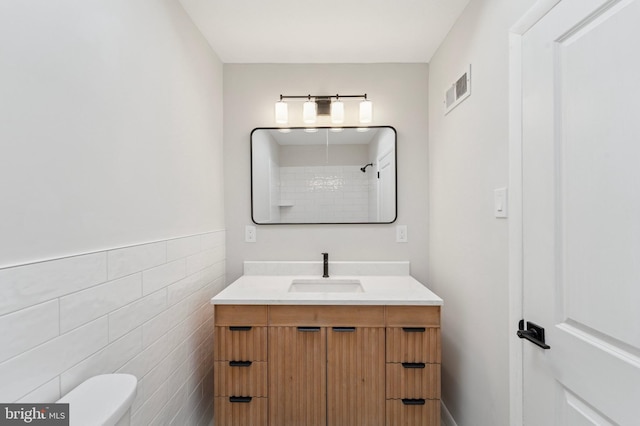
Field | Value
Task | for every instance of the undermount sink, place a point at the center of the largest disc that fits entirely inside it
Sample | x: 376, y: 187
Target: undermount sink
x: 325, y: 285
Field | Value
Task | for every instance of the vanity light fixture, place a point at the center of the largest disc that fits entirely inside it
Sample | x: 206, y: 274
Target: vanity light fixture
x: 337, y: 111
x: 315, y: 105
x: 309, y: 111
x: 282, y: 112
x: 366, y: 110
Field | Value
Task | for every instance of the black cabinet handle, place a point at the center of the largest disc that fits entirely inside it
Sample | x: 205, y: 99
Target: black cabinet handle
x: 308, y: 328
x: 344, y: 329
x: 240, y: 363
x: 408, y: 401
x: 244, y: 399
x: 240, y: 328
x: 413, y: 329
x: 413, y: 365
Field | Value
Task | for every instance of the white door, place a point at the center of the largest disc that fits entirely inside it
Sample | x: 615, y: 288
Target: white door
x: 386, y: 187
x: 581, y: 213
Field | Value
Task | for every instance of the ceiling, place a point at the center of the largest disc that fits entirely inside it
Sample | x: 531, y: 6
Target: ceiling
x: 327, y: 31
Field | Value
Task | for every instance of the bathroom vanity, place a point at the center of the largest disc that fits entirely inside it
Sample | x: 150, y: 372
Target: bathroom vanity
x: 345, y: 350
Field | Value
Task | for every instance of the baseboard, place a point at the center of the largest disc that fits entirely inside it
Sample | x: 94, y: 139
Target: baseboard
x: 446, y: 419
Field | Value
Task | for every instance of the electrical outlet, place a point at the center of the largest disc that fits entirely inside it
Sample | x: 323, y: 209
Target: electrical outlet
x: 401, y: 233
x: 250, y: 234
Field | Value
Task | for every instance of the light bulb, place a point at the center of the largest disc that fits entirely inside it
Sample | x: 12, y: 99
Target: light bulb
x: 309, y: 112
x: 337, y: 112
x: 282, y: 112
x: 366, y: 111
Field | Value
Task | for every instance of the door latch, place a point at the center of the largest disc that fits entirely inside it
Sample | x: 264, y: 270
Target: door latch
x: 533, y: 333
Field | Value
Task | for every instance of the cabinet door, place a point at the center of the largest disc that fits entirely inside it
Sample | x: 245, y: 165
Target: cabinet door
x: 297, y: 376
x: 356, y: 376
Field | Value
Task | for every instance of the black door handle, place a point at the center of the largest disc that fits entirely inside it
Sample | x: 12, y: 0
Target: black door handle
x: 534, y: 333
x: 240, y: 328
x: 244, y: 399
x: 240, y: 363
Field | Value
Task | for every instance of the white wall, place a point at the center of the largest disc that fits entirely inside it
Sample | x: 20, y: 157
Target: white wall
x: 110, y: 127
x: 110, y: 136
x: 399, y: 93
x: 468, y: 257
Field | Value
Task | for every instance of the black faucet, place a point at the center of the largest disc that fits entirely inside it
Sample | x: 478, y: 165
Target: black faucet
x: 325, y: 265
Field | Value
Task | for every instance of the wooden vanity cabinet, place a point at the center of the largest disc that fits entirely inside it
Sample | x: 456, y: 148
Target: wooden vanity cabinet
x: 413, y: 366
x: 240, y: 366
x: 327, y: 365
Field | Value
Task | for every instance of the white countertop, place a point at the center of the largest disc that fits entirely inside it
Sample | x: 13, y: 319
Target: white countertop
x: 378, y: 290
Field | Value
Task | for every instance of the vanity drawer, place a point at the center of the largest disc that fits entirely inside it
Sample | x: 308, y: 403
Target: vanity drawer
x: 413, y: 380
x: 240, y: 411
x: 245, y: 378
x: 413, y: 344
x: 412, y: 316
x: 422, y: 412
x: 327, y: 315
x: 240, y: 343
x: 240, y: 314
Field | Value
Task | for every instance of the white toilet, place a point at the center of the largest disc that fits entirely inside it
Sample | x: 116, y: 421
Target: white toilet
x: 102, y: 400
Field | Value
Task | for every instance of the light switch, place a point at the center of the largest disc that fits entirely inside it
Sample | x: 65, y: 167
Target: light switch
x: 500, y: 202
x: 401, y: 234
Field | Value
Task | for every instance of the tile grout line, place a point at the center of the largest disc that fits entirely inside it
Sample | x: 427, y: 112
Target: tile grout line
x: 69, y: 256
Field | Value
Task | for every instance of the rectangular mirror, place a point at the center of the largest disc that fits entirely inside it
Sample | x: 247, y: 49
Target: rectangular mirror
x: 323, y: 175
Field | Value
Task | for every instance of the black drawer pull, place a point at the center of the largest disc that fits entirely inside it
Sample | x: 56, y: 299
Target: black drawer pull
x: 308, y: 328
x: 244, y: 399
x: 413, y: 365
x: 240, y: 328
x: 240, y: 363
x: 413, y: 329
x: 408, y: 401
x: 344, y: 329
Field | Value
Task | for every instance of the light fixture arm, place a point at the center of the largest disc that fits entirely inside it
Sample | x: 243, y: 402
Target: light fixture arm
x: 308, y: 97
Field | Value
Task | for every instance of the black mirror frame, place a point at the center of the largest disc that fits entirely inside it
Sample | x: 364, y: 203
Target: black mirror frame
x: 320, y: 128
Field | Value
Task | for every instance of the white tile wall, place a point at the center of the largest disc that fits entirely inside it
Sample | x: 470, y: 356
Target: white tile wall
x: 50, y: 391
x: 25, y: 286
x: 29, y: 370
x: 161, y: 276
x: 27, y: 328
x: 143, y: 310
x: 81, y: 307
x: 324, y: 194
x: 128, y: 260
x: 135, y: 314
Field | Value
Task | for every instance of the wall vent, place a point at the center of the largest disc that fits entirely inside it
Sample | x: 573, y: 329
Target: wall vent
x: 458, y: 92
